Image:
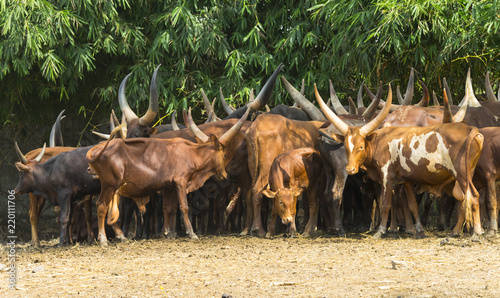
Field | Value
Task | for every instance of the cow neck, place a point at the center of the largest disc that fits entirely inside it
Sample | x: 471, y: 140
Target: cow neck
x: 368, y: 163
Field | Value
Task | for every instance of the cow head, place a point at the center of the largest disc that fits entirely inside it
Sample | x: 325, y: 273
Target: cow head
x: 139, y: 127
x: 219, y: 144
x: 285, y: 202
x: 355, y: 139
x: 25, y: 167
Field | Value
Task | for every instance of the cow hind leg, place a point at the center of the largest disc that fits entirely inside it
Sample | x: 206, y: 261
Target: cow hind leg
x: 102, y: 208
x: 313, y: 213
x: 35, y: 209
x: 492, y: 207
x: 169, y: 213
x: 183, y: 204
x: 413, y: 207
x: 88, y: 218
x: 385, y: 207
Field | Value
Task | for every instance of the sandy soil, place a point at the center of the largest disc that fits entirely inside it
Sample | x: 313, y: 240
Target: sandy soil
x: 324, y: 266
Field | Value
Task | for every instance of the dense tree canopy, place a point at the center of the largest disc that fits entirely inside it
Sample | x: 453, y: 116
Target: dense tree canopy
x: 75, y: 53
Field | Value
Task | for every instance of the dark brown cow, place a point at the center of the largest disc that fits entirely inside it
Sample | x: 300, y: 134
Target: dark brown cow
x: 292, y: 173
x: 488, y: 172
x: 440, y: 159
x: 39, y: 156
x: 139, y: 167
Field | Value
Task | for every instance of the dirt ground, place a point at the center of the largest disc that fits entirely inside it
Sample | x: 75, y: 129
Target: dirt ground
x: 323, y: 266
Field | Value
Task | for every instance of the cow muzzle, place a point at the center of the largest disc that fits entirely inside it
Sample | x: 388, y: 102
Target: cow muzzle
x: 351, y: 170
x: 286, y: 220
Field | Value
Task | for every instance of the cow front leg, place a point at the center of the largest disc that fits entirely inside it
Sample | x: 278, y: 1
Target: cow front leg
x: 337, y: 192
x: 88, y: 218
x: 313, y: 212
x: 183, y: 204
x: 385, y: 207
x: 271, y: 228
x: 35, y: 209
x: 64, y: 216
x: 169, y: 212
x: 257, y: 220
x: 413, y: 206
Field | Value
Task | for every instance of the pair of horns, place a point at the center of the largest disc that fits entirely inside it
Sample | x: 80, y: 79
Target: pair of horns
x: 23, y: 158
x: 366, y: 129
x: 225, y: 138
x: 147, y: 118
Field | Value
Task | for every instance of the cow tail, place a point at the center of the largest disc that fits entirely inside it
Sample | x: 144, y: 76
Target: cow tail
x: 113, y: 211
x: 111, y: 136
x: 468, y: 191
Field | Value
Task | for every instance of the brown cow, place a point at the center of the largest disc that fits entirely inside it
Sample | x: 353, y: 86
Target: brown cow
x: 488, y: 172
x: 139, y: 167
x: 439, y: 158
x: 291, y: 174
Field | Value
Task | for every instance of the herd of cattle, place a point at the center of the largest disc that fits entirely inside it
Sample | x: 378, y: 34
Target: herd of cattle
x: 223, y: 169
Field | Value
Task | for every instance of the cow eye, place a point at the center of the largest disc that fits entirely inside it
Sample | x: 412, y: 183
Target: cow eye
x: 281, y: 203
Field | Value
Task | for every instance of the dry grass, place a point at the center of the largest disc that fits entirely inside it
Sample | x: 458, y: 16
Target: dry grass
x: 249, y: 266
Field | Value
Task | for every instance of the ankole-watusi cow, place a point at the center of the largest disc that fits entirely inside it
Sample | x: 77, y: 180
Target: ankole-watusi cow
x: 139, y: 167
x: 39, y: 156
x: 293, y: 173
x: 439, y: 158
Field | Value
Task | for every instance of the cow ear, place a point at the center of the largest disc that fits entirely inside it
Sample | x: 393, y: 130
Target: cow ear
x: 296, y: 192
x: 338, y: 138
x: 215, y: 142
x: 22, y: 167
x: 269, y: 193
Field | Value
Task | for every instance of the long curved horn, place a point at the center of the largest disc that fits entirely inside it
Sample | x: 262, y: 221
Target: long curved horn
x: 447, y: 115
x: 311, y: 110
x: 265, y: 94
x: 424, y: 102
x: 173, y: 122
x: 469, y: 93
x: 409, y: 89
x: 352, y: 107
x: 147, y: 118
x: 336, y: 105
x: 460, y: 114
x: 330, y: 115
x: 302, y: 91
x: 55, y: 138
x: 39, y: 157
x: 233, y: 131
x: 208, y: 107
x: 113, y: 121
x: 227, y: 108
x: 398, y: 94
x: 360, y: 96
x: 435, y: 99
x: 200, y: 135
x: 489, y: 91
x: 122, y: 100
x: 20, y: 155
x: 102, y: 135
x: 215, y: 118
x: 375, y: 123
x: 370, y: 111
x: 448, y: 91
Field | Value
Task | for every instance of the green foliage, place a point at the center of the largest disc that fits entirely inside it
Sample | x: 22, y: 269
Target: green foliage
x: 75, y: 53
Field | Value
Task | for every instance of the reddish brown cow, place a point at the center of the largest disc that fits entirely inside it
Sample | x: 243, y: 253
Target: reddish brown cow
x: 137, y: 168
x: 267, y: 137
x: 292, y: 173
x: 439, y: 158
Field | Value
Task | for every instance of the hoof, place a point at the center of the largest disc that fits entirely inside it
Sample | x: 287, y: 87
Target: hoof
x: 420, y: 235
x: 475, y: 238
x: 258, y: 232
x: 244, y: 232
x: 269, y: 236
x: 377, y: 235
x: 455, y: 235
x: 440, y: 227
x: 103, y: 243
x: 490, y: 233
x: 194, y: 237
